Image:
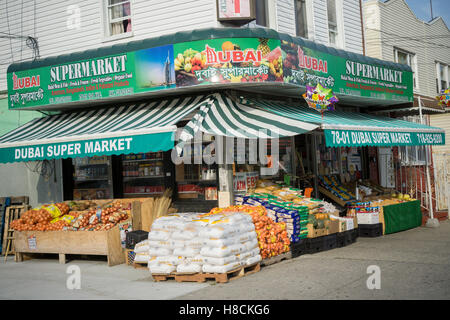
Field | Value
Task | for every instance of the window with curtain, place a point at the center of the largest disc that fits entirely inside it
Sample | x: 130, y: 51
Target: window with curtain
x: 332, y: 22
x: 442, y: 71
x: 300, y: 16
x: 119, y: 17
x: 261, y: 13
x: 408, y: 58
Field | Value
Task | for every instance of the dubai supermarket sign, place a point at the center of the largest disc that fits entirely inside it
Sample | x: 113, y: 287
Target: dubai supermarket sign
x: 230, y: 61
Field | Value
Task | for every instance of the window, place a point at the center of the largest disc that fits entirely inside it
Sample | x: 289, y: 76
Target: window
x: 408, y: 58
x: 300, y: 16
x: 261, y: 12
x: 442, y: 80
x: 118, y: 17
x: 412, y: 155
x: 332, y: 22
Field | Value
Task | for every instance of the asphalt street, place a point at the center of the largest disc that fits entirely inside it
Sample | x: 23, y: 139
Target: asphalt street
x: 413, y: 264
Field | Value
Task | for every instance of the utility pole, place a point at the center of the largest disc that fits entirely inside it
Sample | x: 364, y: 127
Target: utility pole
x: 431, y: 7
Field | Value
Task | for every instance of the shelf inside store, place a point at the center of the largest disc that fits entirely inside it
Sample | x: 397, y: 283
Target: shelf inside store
x: 143, y: 193
x: 142, y: 177
x: 91, y: 179
x: 141, y: 160
x: 92, y: 164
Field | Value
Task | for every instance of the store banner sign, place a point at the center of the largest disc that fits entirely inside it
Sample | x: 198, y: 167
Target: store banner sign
x: 353, y: 138
x: 203, y: 62
x: 88, y: 148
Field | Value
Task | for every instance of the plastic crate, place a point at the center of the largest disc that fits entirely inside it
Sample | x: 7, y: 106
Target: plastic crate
x: 129, y: 256
x: 330, y: 242
x: 314, y: 245
x: 134, y: 237
x: 298, y: 248
x: 370, y: 230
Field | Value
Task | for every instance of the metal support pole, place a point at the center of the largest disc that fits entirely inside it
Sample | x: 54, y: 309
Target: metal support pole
x: 315, y: 166
x: 429, y: 184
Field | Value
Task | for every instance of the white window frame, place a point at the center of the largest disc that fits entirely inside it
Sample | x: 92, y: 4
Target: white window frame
x: 408, y: 159
x: 339, y: 25
x: 412, y: 62
x: 308, y: 18
x: 438, y: 75
x: 106, y: 22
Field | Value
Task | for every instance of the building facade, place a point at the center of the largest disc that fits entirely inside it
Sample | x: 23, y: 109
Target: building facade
x: 40, y: 29
x: 393, y: 32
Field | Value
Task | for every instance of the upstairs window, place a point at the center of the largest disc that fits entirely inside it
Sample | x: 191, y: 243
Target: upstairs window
x: 442, y: 80
x: 118, y: 13
x: 332, y: 22
x: 300, y: 16
x: 408, y: 58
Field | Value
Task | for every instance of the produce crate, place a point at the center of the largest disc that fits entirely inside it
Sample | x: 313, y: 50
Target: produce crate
x: 129, y: 256
x: 134, y: 237
x: 106, y: 243
x: 330, y: 242
x: 202, y: 277
x: 370, y: 230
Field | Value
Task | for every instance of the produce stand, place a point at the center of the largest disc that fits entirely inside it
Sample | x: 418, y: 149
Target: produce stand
x: 79, y: 240
x: 106, y: 243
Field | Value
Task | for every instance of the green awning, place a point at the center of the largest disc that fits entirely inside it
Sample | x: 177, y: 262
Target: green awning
x: 143, y: 127
x: 224, y: 115
x: 350, y: 129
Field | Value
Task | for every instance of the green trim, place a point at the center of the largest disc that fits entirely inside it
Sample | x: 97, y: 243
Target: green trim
x: 199, y: 34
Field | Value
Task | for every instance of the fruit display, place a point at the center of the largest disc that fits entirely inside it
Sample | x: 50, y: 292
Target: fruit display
x: 332, y: 184
x: 272, y: 236
x: 69, y: 217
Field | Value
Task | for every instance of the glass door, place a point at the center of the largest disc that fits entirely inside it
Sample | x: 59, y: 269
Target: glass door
x: 92, y: 178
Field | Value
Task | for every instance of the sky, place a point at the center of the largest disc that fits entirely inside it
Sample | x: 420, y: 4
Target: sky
x: 421, y: 9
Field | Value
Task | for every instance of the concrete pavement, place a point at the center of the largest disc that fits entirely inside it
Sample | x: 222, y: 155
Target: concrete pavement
x: 414, y: 264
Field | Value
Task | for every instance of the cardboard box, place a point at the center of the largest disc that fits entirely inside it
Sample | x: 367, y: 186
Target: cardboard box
x: 368, y: 218
x: 332, y: 226
x: 314, y: 233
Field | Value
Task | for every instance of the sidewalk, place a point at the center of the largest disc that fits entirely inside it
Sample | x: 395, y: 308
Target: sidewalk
x: 414, y: 264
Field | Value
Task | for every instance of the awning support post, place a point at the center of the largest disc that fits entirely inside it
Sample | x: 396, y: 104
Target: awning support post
x: 225, y: 155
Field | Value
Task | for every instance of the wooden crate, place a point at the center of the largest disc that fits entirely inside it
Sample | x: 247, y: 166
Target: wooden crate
x: 106, y: 243
x: 202, y: 277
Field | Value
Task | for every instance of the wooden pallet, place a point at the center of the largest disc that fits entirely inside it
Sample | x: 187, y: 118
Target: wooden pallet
x: 140, y: 265
x: 202, y: 277
x: 12, y: 213
x: 276, y: 259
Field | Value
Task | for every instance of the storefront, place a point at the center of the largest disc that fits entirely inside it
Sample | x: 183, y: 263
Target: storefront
x: 129, y: 113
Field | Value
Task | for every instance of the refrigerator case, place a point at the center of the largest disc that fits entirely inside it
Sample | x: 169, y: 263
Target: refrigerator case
x: 143, y: 174
x: 92, y: 178
x: 386, y: 167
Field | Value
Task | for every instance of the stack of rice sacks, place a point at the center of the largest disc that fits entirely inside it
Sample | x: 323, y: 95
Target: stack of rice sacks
x: 192, y: 243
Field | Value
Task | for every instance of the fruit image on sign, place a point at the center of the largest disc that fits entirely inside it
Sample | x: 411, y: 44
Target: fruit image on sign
x: 228, y: 61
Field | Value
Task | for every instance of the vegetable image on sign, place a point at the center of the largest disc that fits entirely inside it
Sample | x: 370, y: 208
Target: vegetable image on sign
x: 320, y: 98
x: 444, y: 97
